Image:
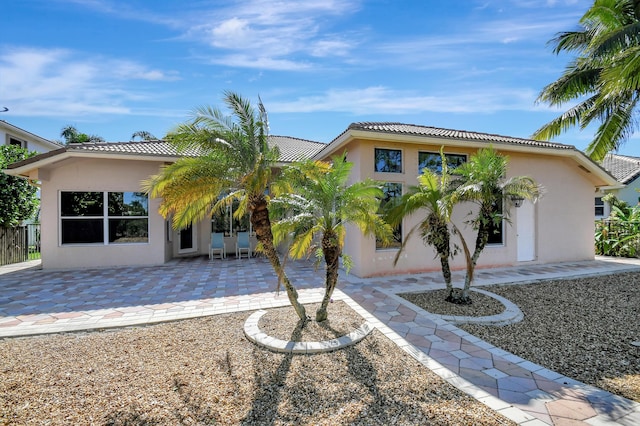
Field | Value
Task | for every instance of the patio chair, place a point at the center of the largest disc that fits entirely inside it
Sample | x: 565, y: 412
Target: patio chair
x: 243, y: 245
x: 217, y: 245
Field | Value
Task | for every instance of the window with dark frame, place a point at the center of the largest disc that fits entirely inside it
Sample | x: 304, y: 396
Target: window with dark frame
x: 84, y: 216
x: 599, y: 206
x: 388, y: 160
x: 392, y: 190
x: 433, y: 161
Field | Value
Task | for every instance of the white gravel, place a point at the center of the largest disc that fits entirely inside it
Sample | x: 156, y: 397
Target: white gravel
x: 204, y: 371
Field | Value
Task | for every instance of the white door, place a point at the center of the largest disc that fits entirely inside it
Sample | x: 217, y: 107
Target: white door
x: 526, y: 230
x: 188, y: 239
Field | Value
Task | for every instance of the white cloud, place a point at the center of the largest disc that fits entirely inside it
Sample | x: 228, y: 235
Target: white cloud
x: 282, y: 35
x: 61, y: 82
x: 383, y: 100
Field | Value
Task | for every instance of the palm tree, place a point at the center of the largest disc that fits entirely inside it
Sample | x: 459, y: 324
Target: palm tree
x: 317, y: 204
x: 71, y: 135
x: 432, y: 194
x: 234, y: 163
x: 604, y: 78
x: 482, y: 181
x: 143, y: 135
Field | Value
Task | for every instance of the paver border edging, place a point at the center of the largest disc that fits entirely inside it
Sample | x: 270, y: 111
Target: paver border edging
x: 511, y: 314
x: 255, y: 335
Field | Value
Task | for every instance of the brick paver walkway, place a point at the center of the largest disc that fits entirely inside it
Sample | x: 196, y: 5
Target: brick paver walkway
x: 36, y: 302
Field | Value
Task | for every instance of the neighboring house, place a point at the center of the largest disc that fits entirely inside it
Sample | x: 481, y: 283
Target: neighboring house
x: 93, y: 214
x: 626, y: 170
x: 13, y: 135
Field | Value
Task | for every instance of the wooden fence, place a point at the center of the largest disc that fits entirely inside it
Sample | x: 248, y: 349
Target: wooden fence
x: 19, y: 244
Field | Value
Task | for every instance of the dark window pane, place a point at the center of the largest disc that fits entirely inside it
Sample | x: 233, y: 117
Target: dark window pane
x: 128, y: 231
x: 128, y: 204
x: 496, y: 231
x: 81, y: 204
x: 82, y: 231
x: 388, y: 160
x: 433, y: 161
x: 391, y: 191
x: 186, y: 238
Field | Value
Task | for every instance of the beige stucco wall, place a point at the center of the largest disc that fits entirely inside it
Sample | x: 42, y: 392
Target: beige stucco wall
x: 563, y: 218
x: 98, y: 175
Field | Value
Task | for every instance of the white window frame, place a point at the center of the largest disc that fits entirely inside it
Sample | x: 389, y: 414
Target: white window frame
x: 105, y: 221
x: 10, y: 138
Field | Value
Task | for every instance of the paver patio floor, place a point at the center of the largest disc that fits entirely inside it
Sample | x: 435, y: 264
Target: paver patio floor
x: 35, y: 302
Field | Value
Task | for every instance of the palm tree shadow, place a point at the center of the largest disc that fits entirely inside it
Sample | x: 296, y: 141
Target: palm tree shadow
x: 265, y: 405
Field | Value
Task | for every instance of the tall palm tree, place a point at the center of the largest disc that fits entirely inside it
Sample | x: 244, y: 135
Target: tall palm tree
x: 482, y: 181
x: 433, y: 195
x: 234, y: 163
x: 604, y: 78
x: 72, y: 135
x: 316, y: 205
x: 143, y: 135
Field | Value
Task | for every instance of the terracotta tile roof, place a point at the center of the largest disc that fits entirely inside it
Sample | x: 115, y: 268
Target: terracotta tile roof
x: 622, y: 167
x: 291, y: 149
x: 412, y: 129
x: 151, y: 148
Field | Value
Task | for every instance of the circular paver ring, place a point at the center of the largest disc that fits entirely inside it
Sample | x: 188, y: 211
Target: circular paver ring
x: 255, y: 335
x: 511, y: 314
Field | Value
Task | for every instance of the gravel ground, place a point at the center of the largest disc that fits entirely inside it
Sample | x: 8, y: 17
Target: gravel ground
x: 204, y: 371
x: 433, y: 301
x: 581, y: 328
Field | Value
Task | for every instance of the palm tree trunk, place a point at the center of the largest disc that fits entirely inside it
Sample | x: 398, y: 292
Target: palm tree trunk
x: 481, y: 242
x: 332, y: 262
x: 262, y: 225
x: 446, y: 274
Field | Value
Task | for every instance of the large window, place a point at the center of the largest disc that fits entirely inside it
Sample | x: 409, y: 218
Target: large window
x: 388, y: 160
x: 227, y: 223
x: 392, y: 190
x: 104, y: 217
x: 433, y: 161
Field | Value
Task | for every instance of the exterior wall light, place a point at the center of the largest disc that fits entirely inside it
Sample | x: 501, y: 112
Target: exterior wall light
x: 517, y: 201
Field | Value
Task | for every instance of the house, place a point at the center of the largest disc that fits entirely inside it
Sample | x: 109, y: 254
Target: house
x: 94, y: 214
x: 13, y: 135
x: 626, y: 170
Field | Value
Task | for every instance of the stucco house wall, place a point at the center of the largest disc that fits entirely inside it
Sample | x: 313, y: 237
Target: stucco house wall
x: 562, y: 230
x: 558, y: 228
x: 93, y: 174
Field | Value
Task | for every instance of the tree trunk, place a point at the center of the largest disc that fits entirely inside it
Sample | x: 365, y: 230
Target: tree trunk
x: 262, y: 226
x: 332, y: 264
x: 446, y: 273
x: 481, y: 242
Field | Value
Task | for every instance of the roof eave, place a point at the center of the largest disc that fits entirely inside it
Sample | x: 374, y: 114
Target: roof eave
x: 23, y: 168
x: 562, y: 150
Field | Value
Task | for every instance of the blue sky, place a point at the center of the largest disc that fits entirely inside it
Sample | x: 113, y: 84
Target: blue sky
x: 113, y: 67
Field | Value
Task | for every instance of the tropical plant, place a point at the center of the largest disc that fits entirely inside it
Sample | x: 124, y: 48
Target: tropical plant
x: 316, y: 203
x: 604, y: 78
x: 433, y: 195
x: 143, y: 135
x: 72, y: 135
x: 619, y: 234
x: 482, y: 181
x: 18, y: 197
x: 233, y: 162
